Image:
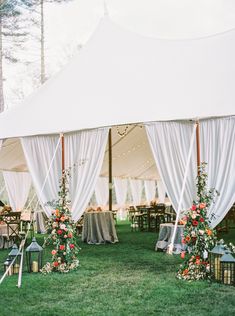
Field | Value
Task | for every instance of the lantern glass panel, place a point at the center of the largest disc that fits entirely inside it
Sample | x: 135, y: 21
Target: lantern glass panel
x: 215, y: 255
x: 6, y: 265
x: 34, y: 256
x: 227, y: 269
x: 14, y: 253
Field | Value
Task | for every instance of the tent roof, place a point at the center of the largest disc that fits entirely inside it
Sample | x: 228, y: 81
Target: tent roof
x: 120, y: 77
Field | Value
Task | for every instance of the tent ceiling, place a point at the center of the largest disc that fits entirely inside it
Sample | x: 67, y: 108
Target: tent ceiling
x: 132, y: 156
x: 12, y: 156
x: 120, y: 78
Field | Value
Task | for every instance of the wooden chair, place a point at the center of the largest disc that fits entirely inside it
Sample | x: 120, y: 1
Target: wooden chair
x: 156, y: 216
x: 12, y: 220
x: 79, y: 226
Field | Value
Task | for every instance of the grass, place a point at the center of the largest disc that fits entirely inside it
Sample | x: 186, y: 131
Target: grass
x: 128, y: 278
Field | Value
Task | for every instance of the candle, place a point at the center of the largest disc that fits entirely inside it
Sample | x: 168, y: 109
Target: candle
x: 10, y: 271
x: 35, y: 266
x: 227, y: 277
x: 217, y: 268
x: 16, y: 268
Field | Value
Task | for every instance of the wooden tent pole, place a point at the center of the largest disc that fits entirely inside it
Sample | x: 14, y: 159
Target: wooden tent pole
x: 110, y: 172
x: 198, y: 147
x: 62, y: 153
x: 63, y: 166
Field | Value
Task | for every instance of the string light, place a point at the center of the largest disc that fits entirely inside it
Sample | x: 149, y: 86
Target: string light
x: 122, y: 134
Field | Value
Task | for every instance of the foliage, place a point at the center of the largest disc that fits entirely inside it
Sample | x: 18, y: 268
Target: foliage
x: 198, y: 236
x: 62, y: 234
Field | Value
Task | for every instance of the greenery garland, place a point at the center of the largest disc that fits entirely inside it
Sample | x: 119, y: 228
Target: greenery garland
x: 198, y: 236
x: 62, y: 233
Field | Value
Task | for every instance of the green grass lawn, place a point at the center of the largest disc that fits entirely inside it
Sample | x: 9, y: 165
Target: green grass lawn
x: 128, y: 278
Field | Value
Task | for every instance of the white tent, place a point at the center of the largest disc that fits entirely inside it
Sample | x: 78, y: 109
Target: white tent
x: 122, y: 78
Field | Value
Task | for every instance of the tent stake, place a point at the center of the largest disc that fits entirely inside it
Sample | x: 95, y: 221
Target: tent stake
x: 110, y: 172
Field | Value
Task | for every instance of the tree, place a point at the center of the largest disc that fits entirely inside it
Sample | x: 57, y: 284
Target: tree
x: 10, y: 12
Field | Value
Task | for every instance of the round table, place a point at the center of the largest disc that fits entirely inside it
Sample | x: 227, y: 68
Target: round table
x: 99, y: 228
x: 165, y: 235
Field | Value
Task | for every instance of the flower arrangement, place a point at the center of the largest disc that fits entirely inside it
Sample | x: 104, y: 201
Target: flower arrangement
x: 198, y: 236
x: 62, y: 234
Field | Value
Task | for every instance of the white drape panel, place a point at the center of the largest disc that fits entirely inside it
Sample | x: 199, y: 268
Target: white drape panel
x: 85, y: 153
x: 39, y: 151
x: 170, y: 143
x: 102, y: 191
x: 121, y: 194
x: 161, y: 191
x: 17, y: 185
x: 218, y: 150
x: 136, y: 190
x: 150, y: 190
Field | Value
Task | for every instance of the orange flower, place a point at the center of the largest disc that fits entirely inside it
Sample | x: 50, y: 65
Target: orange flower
x: 185, y: 272
x: 209, y: 232
x: 187, y: 238
x: 202, y: 205
x: 197, y: 261
x: 62, y: 218
x: 57, y: 212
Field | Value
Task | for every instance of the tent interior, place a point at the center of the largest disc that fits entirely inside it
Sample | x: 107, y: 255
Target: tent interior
x: 132, y: 156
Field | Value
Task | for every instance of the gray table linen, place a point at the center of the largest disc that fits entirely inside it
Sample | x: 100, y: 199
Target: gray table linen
x: 99, y: 228
x: 165, y: 234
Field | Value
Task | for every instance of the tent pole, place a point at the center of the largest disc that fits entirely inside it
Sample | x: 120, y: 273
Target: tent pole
x: 63, y: 166
x: 110, y: 172
x: 198, y: 147
x: 62, y: 152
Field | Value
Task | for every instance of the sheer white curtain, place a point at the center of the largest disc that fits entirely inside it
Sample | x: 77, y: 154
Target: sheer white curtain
x: 39, y: 152
x: 84, y: 152
x: 218, y: 151
x: 150, y: 190
x: 17, y: 185
x: 102, y: 191
x: 136, y: 190
x: 170, y: 143
x: 121, y: 194
x: 161, y: 191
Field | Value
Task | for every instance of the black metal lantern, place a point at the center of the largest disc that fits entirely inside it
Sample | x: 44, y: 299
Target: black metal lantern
x: 6, y: 266
x: 34, y: 256
x: 227, y: 269
x: 16, y: 256
x: 215, y: 254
